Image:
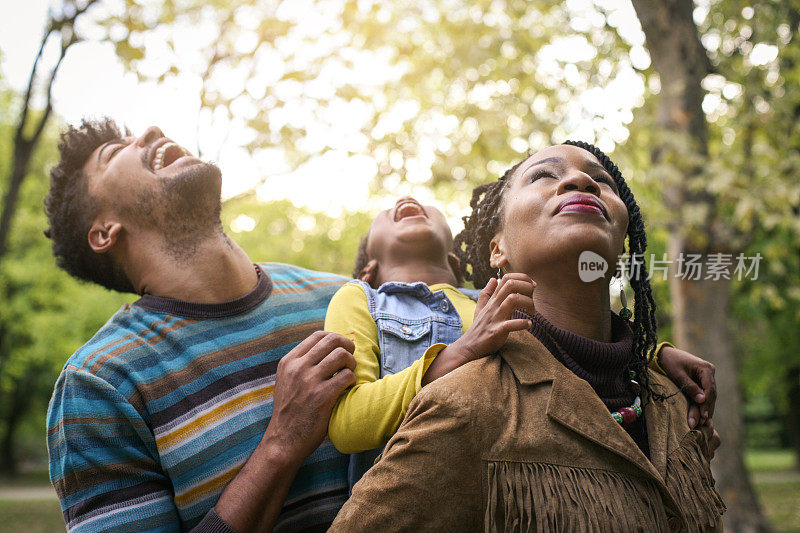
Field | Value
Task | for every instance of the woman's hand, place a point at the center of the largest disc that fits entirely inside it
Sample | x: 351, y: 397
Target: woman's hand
x: 695, y: 377
x: 491, y: 326
x: 493, y: 322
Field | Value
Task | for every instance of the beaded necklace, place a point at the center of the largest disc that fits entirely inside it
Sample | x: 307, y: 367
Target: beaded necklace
x: 628, y: 415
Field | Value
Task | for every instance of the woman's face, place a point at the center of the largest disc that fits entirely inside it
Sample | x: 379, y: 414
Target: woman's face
x: 560, y: 202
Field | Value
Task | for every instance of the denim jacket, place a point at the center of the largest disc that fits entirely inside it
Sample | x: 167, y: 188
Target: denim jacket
x: 410, y: 319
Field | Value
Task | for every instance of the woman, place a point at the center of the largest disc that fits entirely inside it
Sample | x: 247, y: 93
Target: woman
x: 526, y: 440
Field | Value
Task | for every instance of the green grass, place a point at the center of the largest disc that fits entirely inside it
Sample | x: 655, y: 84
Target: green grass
x: 35, y: 516
x: 777, y: 482
x: 34, y: 478
x: 770, y: 460
x: 781, y: 503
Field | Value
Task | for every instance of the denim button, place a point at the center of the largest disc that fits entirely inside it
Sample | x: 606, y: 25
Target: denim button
x: 406, y: 330
x: 445, y: 306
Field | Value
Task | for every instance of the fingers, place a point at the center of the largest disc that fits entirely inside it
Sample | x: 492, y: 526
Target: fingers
x: 485, y: 294
x: 714, y: 442
x: 517, y: 324
x: 338, y: 383
x: 708, y: 433
x: 515, y: 282
x: 694, y: 414
x: 694, y: 375
x: 706, y: 375
x: 327, y: 344
x: 713, y: 439
x: 689, y: 388
x: 336, y: 361
x: 302, y: 348
x: 517, y: 287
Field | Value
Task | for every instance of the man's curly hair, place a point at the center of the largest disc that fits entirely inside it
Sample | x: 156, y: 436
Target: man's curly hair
x: 70, y: 209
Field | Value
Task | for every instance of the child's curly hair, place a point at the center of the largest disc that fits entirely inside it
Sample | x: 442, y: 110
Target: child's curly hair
x: 361, y: 257
x: 472, y: 247
x: 70, y: 208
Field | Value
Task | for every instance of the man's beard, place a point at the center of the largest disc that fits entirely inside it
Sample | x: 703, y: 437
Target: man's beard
x: 185, y: 208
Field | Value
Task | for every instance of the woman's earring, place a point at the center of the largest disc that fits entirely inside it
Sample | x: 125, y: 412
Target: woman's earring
x: 624, y: 313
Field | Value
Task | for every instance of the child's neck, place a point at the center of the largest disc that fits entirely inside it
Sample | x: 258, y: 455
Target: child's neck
x: 414, y: 270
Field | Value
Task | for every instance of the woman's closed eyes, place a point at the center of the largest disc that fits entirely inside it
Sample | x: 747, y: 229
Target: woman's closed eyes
x: 601, y: 178
x: 542, y: 174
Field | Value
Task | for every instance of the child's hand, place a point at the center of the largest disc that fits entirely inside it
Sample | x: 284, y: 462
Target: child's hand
x: 493, y: 322
x: 695, y: 377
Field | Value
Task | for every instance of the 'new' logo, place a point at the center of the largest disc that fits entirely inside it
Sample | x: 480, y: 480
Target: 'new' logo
x: 591, y: 266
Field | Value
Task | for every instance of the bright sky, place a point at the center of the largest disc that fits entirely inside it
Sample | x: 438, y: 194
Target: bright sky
x: 92, y: 82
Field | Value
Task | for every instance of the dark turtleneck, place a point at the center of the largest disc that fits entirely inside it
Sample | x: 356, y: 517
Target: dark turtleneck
x: 604, y: 365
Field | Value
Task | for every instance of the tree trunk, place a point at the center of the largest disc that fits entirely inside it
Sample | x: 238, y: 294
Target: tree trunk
x: 25, y: 145
x: 700, y: 308
x: 19, y: 401
x: 22, y: 158
x: 793, y: 420
x: 701, y: 326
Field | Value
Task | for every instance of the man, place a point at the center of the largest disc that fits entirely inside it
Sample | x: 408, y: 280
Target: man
x: 205, y: 403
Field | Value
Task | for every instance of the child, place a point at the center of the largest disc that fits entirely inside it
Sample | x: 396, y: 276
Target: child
x: 411, y: 325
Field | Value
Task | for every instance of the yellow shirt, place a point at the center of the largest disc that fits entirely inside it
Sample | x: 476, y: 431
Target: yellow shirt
x: 367, y: 414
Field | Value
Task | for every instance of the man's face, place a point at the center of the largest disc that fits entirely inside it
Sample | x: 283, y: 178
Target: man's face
x: 151, y: 182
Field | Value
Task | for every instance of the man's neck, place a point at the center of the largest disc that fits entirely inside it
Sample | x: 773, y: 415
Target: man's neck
x: 217, y: 270
x: 571, y: 304
x: 412, y: 271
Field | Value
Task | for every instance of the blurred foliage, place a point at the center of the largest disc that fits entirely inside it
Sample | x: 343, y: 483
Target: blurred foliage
x: 281, y: 232
x: 752, y: 106
x: 45, y: 314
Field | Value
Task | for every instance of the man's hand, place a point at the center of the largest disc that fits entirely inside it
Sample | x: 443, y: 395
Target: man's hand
x: 491, y: 326
x: 712, y: 437
x: 309, y: 380
x: 695, y: 377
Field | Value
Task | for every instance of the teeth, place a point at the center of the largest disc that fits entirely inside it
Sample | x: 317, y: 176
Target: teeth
x: 158, y: 161
x: 408, y: 209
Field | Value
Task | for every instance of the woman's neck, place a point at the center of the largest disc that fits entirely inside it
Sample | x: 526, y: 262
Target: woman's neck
x: 573, y: 305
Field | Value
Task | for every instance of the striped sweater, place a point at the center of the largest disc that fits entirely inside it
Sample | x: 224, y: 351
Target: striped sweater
x: 153, y: 416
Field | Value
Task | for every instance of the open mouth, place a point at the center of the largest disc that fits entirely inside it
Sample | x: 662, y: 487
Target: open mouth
x: 408, y: 209
x: 166, y: 154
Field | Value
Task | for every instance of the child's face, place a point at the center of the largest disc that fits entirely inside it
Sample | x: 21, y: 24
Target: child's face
x: 409, y: 230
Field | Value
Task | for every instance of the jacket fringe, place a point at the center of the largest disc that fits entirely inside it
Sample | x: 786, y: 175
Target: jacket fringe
x: 544, y: 497
x: 691, y: 484
x: 529, y: 497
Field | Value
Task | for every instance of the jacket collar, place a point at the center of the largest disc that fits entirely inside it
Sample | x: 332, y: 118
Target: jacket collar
x: 529, y: 359
x: 574, y: 404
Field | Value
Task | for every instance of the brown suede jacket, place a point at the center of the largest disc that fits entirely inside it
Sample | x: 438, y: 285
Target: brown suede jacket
x: 517, y: 442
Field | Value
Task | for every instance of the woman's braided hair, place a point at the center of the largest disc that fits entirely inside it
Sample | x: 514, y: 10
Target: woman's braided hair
x: 472, y: 248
